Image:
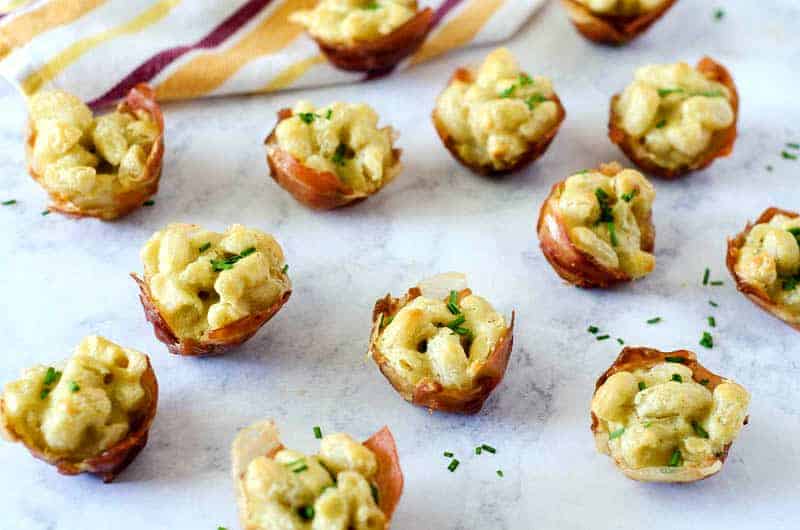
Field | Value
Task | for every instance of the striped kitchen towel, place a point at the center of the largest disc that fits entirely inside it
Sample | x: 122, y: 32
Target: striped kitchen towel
x: 99, y: 49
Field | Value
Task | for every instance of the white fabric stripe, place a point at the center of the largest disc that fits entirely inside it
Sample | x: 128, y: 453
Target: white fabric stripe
x: 498, y: 28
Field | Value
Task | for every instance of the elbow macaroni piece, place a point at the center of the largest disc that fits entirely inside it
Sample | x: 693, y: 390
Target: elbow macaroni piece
x: 330, y: 491
x: 495, y: 118
x: 622, y: 7
x: 418, y: 343
x: 197, y: 289
x: 672, y: 112
x: 342, y: 139
x: 83, y: 409
x: 88, y: 161
x: 352, y: 21
x: 613, y: 238
x: 654, y: 412
x: 770, y: 260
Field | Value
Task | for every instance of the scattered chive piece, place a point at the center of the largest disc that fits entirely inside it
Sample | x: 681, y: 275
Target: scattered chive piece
x: 525, y: 80
x: 204, y: 247
x: 699, y: 430
x: 9, y: 202
x: 628, y: 197
x: 43, y: 394
x: 647, y: 424
x: 218, y: 265
x: 456, y: 322
x: 500, y: 473
x: 375, y: 493
x: 489, y: 448
x: 478, y: 450
x: 707, y: 340
x: 534, y: 100
x: 306, y: 117
x: 612, y: 234
x: 448, y: 454
x: 582, y: 172
x: 221, y: 528
x: 306, y: 512
x: 677, y: 378
x: 705, y: 276
x: 452, y: 303
x: 704, y: 382
x: 338, y: 155
x: 603, y: 337
x: 317, y: 432
x: 297, y: 466
x: 285, y: 269
x: 507, y: 93
x: 712, y: 322
x: 606, y: 215
x: 388, y: 320
x: 675, y: 359
x: 785, y: 154
x: 717, y: 282
x: 51, y: 376
x: 719, y: 14
x: 617, y: 433
x: 676, y: 459
x: 45, y: 212
x: 620, y: 340
x: 453, y: 465
x: 661, y: 124
x: 642, y: 385
x: 329, y: 114
x: 593, y: 329
x: 149, y: 202
x: 654, y: 320
x: 712, y: 303
x: 74, y: 386
x: 789, y: 284
x: 793, y: 145
x: 664, y: 92
x: 461, y: 331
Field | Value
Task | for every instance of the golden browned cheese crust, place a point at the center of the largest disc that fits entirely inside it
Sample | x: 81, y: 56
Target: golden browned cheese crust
x: 610, y: 28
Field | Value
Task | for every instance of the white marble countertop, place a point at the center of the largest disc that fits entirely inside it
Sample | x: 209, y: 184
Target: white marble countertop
x: 64, y: 279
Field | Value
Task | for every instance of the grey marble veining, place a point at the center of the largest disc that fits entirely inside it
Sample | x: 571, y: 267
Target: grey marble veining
x: 63, y: 279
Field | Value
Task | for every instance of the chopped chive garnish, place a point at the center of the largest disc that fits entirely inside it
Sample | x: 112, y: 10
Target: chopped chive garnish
x: 452, y: 303
x: 719, y: 14
x: 699, y: 430
x: 328, y: 114
x: 45, y: 212
x: 712, y: 303
x: 712, y: 322
x: 218, y: 265
x: 793, y: 145
x: 489, y: 448
x: 44, y: 393
x: 788, y: 284
x: 204, y: 247
x: 785, y: 154
x: 285, y: 269
x: 677, y: 378
x: 500, y: 473
x: 221, y: 528
x: 9, y: 202
x: 461, y: 331
x: 717, y: 282
x: 707, y: 340
x: 456, y: 322
x: 675, y: 359
x: 297, y: 466
x: 593, y: 329
x: 664, y: 92
x: 606, y: 215
x: 478, y: 450
x: 317, y: 432
x: 448, y: 454
x: 525, y: 80
x: 617, y: 433
x: 654, y: 320
x: 704, y: 382
x: 453, y: 465
x: 612, y: 233
x: 620, y: 340
x: 149, y: 202
x: 628, y: 197
x: 642, y: 385
x: 306, y: 512
x: 73, y: 386
x: 51, y: 376
x: 661, y: 124
x: 306, y: 117
x: 603, y: 337
x: 706, y: 275
x: 534, y: 100
x: 507, y: 93
x: 676, y: 459
x: 647, y: 424
x: 339, y: 154
x: 375, y: 493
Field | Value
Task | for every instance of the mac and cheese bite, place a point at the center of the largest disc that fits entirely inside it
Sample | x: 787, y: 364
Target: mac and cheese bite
x: 663, y: 417
x: 205, y: 292
x: 496, y: 119
x: 89, y: 414
x: 674, y: 119
x: 440, y: 346
x: 346, y: 485
x: 366, y: 35
x: 331, y: 156
x: 104, y: 166
x: 764, y: 260
x: 614, y: 21
x: 596, y: 229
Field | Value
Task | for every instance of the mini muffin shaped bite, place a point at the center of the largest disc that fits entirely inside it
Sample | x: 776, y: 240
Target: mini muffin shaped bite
x: 104, y: 166
x: 596, y: 229
x: 205, y: 291
x: 346, y: 485
x: 90, y: 414
x: 440, y: 346
x: 497, y: 119
x: 663, y: 417
x: 366, y: 35
x: 331, y: 156
x: 764, y: 260
x: 674, y: 119
x: 614, y: 21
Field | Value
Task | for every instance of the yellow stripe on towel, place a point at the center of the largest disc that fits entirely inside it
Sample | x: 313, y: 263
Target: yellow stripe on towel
x: 459, y: 30
x: 74, y: 52
x: 289, y: 75
x: 209, y: 70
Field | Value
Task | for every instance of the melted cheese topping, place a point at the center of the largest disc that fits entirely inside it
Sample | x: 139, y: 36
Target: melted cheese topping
x: 495, y: 119
x: 770, y: 260
x: 343, y: 139
x: 351, y: 21
x: 202, y: 280
x: 419, y: 344
x: 329, y: 491
x: 606, y: 217
x: 622, y: 7
x: 88, y: 160
x: 672, y: 112
x: 672, y: 413
x: 84, y: 406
